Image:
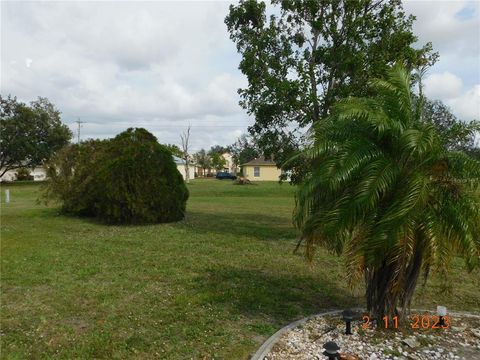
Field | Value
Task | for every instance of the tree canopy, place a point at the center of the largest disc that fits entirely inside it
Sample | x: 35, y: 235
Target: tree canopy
x: 202, y: 159
x: 174, y: 149
x: 244, y: 150
x: 218, y: 149
x: 455, y: 133
x: 29, y: 134
x: 217, y: 161
x: 308, y: 54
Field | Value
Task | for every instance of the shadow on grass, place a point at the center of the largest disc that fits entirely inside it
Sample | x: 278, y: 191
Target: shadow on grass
x: 280, y: 297
x: 260, y: 226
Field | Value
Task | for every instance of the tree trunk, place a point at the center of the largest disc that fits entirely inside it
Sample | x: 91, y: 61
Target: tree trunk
x: 313, y: 79
x: 4, y: 170
x: 390, y: 286
x: 187, y: 173
x: 381, y: 300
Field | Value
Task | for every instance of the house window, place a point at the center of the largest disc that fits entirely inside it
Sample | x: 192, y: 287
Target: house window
x: 256, y: 171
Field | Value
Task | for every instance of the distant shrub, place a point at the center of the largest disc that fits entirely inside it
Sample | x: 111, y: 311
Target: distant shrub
x: 130, y: 179
x: 23, y: 174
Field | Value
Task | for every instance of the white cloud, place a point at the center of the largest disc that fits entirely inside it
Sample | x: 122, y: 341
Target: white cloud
x: 126, y: 64
x: 453, y: 27
x: 441, y: 23
x: 449, y: 88
x: 163, y: 65
x: 443, y: 85
x: 467, y: 105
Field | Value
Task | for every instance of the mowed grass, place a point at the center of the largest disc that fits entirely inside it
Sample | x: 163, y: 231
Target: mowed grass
x: 213, y: 286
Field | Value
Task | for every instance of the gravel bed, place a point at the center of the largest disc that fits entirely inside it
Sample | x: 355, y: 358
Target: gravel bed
x: 460, y: 341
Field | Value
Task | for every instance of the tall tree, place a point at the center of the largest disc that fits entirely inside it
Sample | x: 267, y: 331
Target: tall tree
x: 29, y: 135
x: 385, y: 192
x: 185, y: 138
x: 218, y: 149
x: 308, y: 54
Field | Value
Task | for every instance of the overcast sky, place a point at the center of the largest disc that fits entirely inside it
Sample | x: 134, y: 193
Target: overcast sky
x: 163, y: 65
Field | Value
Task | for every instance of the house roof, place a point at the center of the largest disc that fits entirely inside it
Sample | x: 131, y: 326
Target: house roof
x: 177, y: 160
x: 260, y: 161
x: 180, y: 161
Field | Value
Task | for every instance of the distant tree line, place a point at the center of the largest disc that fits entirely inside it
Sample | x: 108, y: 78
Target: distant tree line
x: 212, y: 159
x: 244, y: 149
x: 31, y: 134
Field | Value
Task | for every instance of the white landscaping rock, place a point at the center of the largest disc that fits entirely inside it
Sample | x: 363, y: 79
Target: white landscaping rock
x: 461, y: 341
x: 411, y: 342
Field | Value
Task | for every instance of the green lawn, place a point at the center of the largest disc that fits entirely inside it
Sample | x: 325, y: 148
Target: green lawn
x: 213, y: 286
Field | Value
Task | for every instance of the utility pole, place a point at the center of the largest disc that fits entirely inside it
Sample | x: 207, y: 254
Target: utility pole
x: 78, y: 132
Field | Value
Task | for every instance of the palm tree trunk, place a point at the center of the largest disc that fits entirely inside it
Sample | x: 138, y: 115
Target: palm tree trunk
x: 389, y: 292
x: 412, y: 274
x: 381, y: 300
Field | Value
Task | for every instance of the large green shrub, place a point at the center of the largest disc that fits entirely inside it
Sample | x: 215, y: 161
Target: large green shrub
x: 128, y: 179
x: 72, y: 176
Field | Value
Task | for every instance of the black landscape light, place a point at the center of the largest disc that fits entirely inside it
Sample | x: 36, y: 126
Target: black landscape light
x: 347, y: 316
x: 441, y: 312
x: 331, y: 350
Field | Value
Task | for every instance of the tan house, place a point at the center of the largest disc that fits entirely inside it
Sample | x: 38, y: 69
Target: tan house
x: 181, y: 168
x: 229, y: 163
x: 260, y: 169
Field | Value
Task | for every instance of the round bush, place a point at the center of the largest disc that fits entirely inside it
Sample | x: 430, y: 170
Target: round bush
x: 139, y: 181
x: 130, y: 179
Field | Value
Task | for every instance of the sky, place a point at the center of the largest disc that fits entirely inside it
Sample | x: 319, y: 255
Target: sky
x: 165, y: 65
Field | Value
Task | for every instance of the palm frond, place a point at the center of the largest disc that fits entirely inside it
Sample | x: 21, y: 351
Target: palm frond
x: 383, y: 192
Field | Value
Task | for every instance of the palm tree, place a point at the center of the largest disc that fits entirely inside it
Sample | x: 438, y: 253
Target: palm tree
x: 384, y: 192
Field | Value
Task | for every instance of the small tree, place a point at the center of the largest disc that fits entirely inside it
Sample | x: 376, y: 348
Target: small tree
x: 218, y: 161
x: 385, y: 192
x: 203, y: 160
x: 185, y: 138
